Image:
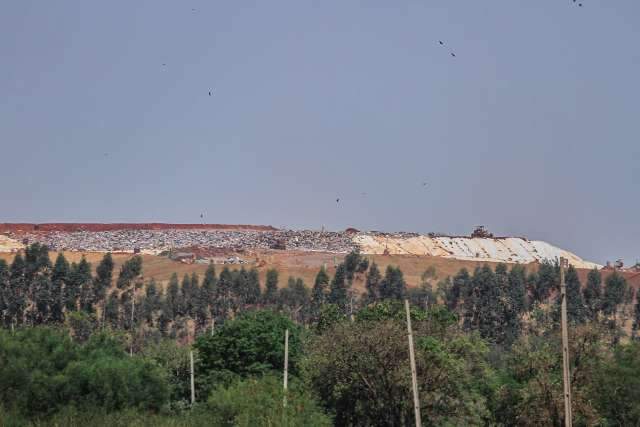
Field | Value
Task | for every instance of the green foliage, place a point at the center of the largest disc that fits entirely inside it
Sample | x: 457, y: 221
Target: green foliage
x: 252, y: 344
x: 372, y: 283
x: 544, y: 282
x: 131, y: 269
x: 531, y: 392
x: 576, y: 310
x: 592, y: 294
x: 329, y: 316
x: 361, y: 373
x: 295, y: 298
x: 271, y: 287
x: 319, y: 292
x: 616, y: 386
x: 614, y: 293
x: 259, y: 402
x: 338, y: 290
x: 174, y: 361
x: 42, y: 369
x: 393, y: 285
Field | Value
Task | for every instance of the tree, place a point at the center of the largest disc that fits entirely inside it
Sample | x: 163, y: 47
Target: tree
x: 130, y: 270
x: 460, y: 289
x: 531, y: 392
x: 546, y: 280
x: 16, y: 301
x: 112, y: 311
x: 615, y: 290
x: 174, y: 302
x: 319, y: 292
x: 151, y: 303
x: 271, y: 287
x: 230, y: 406
x: 593, y: 294
x: 423, y: 295
x: 614, y: 293
x: 352, y: 263
x: 253, y: 287
x: 59, y: 279
x: 361, y: 372
x: 41, y: 299
x: 518, y: 288
x: 295, y: 297
x: 372, y: 283
x: 44, y: 370
x: 103, y: 279
x: 576, y: 312
x: 393, y: 285
x: 209, y: 284
x: 251, y: 344
x: 616, y: 386
x: 636, y: 318
x: 187, y: 294
x: 225, y: 286
x: 82, y: 284
x: 338, y: 289
x: 5, y: 289
x: 240, y: 288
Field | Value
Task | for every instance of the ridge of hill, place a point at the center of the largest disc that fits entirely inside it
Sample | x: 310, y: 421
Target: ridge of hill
x: 76, y: 226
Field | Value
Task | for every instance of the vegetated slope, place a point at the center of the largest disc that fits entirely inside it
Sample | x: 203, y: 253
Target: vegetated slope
x: 306, y: 265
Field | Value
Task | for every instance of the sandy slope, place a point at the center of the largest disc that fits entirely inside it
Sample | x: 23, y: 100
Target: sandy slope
x: 509, y: 249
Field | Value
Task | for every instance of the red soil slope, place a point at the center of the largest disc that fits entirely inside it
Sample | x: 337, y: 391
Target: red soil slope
x: 70, y: 226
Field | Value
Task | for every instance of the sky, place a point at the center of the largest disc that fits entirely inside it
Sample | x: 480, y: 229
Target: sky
x: 531, y: 129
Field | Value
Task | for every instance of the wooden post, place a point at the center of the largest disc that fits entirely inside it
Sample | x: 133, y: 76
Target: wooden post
x: 133, y: 309
x: 351, y: 306
x: 286, y: 366
x: 414, y: 373
x: 568, y: 416
x: 193, y: 383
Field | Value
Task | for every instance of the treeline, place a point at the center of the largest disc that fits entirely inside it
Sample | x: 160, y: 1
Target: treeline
x: 110, y: 349
x: 499, y: 303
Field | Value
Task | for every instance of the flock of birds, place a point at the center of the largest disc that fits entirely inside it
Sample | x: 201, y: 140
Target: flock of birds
x: 440, y: 43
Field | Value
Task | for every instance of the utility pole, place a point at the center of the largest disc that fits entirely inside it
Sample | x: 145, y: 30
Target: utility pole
x: 193, y: 382
x: 414, y: 374
x: 133, y: 310
x: 286, y: 366
x: 568, y: 416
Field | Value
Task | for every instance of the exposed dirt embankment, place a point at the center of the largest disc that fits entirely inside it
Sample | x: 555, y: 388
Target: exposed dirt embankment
x: 72, y: 226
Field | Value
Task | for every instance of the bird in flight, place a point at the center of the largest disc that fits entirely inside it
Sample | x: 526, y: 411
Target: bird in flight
x: 441, y: 43
x: 453, y: 54
x: 201, y: 215
x: 338, y: 200
x: 424, y: 184
x: 209, y: 93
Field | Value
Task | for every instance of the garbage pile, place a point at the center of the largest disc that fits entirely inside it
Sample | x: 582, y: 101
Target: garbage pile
x: 157, y: 241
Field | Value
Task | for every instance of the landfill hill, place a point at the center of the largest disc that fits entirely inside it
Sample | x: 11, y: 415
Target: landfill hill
x: 74, y: 227
x: 157, y: 238
x: 189, y: 248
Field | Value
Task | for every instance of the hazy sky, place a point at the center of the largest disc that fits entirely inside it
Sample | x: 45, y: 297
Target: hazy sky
x: 532, y: 129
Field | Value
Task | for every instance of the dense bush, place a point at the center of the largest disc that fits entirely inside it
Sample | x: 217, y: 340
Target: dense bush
x: 252, y: 344
x: 42, y: 369
x: 259, y: 402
